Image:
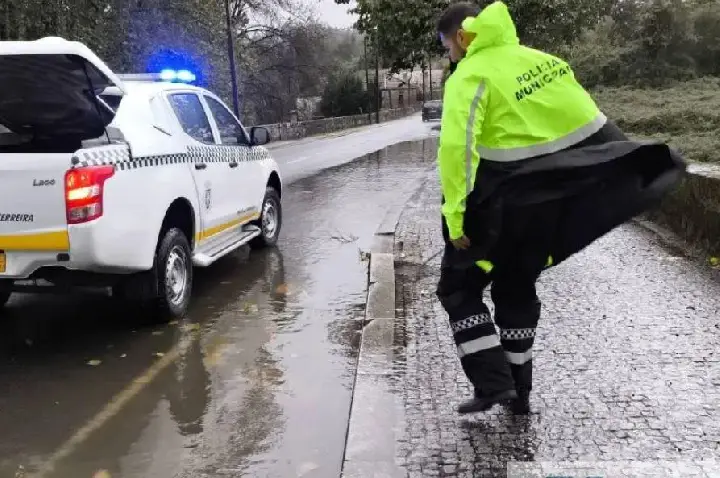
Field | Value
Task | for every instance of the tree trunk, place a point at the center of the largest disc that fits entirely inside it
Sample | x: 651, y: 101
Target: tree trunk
x: 409, y: 86
x: 378, y: 101
x: 432, y: 96
x: 423, y: 81
x: 367, y: 80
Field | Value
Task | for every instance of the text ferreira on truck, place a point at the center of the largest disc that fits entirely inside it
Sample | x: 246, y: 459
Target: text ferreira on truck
x: 75, y: 170
x: 16, y: 217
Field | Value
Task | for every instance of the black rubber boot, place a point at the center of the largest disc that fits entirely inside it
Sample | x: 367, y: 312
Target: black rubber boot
x: 522, y: 374
x: 521, y: 405
x: 482, y: 403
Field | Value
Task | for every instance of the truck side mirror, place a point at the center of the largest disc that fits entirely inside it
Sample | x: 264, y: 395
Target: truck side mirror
x: 259, y: 136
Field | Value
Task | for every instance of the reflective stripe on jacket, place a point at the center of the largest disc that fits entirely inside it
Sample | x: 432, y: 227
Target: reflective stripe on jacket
x: 505, y: 102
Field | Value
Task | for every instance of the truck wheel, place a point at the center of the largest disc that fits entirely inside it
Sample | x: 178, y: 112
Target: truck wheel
x: 174, y: 270
x: 270, y: 221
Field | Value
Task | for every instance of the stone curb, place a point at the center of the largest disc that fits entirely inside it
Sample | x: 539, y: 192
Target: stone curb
x: 375, y: 409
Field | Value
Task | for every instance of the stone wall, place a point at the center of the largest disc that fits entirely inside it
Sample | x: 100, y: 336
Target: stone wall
x: 302, y: 129
x: 693, y: 210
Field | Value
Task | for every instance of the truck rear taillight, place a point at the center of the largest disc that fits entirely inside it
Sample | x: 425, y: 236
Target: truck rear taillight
x: 84, y: 189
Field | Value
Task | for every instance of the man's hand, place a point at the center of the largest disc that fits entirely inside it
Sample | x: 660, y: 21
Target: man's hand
x: 461, y: 242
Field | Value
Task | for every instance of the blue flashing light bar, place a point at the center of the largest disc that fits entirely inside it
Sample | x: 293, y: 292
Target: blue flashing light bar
x: 182, y: 76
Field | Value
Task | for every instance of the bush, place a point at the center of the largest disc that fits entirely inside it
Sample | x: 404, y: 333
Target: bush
x: 654, y: 43
x: 345, y: 95
x: 686, y: 115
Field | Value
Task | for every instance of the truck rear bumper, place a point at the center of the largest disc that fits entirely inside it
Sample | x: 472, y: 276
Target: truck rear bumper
x: 28, y: 265
x: 86, y: 247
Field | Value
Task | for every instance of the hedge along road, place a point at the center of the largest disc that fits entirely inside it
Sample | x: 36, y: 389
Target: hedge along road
x: 257, y: 380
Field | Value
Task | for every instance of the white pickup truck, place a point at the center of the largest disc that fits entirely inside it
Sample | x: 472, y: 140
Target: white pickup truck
x: 122, y: 182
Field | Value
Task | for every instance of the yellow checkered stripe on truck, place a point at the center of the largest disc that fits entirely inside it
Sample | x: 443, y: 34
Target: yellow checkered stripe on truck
x: 123, y: 161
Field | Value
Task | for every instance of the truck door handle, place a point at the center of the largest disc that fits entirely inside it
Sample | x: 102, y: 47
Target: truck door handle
x: 199, y: 166
x: 234, y: 164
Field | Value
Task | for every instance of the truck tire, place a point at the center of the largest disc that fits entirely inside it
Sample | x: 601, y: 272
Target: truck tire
x: 270, y: 221
x: 174, y: 272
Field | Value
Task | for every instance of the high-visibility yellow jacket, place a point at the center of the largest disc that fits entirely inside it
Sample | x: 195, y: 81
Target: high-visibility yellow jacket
x: 505, y: 102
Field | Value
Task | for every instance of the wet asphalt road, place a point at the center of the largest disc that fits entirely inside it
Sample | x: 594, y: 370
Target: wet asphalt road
x: 255, y: 382
x: 309, y: 156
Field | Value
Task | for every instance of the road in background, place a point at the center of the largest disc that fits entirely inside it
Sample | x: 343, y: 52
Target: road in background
x: 308, y: 156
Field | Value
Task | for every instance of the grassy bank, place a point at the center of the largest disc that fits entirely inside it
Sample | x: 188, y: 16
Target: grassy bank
x: 686, y: 115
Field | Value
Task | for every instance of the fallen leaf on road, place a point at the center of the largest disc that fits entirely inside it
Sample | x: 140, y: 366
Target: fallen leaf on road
x: 715, y: 261
x: 250, y: 308
x: 190, y: 327
x: 159, y: 354
x: 94, y: 362
x: 282, y: 289
x: 102, y: 474
x: 123, y: 356
x: 174, y: 322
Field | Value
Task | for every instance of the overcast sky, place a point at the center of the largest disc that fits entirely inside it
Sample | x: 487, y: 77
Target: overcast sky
x: 332, y: 14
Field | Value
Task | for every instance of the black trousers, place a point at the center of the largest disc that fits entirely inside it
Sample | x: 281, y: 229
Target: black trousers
x: 498, y: 362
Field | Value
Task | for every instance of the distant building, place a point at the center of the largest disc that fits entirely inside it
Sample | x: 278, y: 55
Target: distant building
x: 405, y: 88
x: 307, y: 108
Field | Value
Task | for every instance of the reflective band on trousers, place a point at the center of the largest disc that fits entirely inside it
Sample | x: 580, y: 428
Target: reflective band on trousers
x: 517, y: 154
x: 478, y: 345
x: 518, y: 358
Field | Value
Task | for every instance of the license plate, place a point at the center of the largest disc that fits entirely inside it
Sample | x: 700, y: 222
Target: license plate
x: 3, y: 262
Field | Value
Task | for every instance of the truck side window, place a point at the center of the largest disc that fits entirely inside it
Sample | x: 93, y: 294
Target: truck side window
x: 192, y: 117
x: 231, y: 133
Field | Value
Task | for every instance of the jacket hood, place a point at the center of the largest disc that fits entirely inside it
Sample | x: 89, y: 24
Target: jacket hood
x: 493, y: 27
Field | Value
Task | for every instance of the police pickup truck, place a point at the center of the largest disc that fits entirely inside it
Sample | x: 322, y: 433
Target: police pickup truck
x: 122, y: 182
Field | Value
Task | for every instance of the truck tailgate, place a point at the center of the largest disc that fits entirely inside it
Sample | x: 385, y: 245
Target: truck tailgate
x: 32, y: 204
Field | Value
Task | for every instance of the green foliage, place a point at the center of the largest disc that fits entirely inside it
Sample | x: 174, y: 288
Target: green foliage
x: 402, y: 31
x: 608, y: 41
x: 686, y: 115
x: 405, y: 31
x: 649, y: 44
x: 345, y: 95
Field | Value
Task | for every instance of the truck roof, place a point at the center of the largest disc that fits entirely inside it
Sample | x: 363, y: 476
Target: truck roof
x: 158, y: 86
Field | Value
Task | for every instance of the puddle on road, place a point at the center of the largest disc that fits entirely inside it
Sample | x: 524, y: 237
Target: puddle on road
x: 259, y: 376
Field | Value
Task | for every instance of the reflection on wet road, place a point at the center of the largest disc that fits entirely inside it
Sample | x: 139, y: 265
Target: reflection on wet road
x: 255, y: 382
x: 306, y: 157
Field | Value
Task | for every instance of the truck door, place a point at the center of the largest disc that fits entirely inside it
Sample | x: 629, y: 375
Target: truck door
x: 247, y: 190
x: 211, y: 176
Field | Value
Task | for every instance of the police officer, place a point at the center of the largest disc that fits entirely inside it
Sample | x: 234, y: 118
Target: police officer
x: 503, y: 106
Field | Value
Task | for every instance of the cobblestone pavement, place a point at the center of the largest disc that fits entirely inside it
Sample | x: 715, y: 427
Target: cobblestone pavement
x: 626, y: 359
